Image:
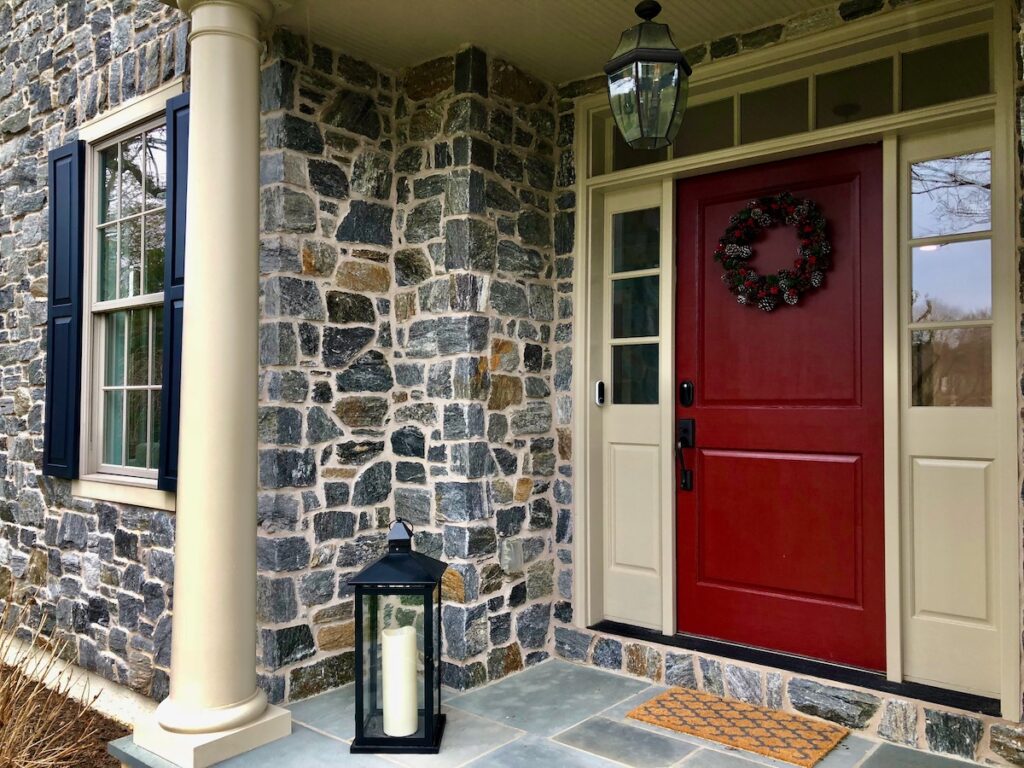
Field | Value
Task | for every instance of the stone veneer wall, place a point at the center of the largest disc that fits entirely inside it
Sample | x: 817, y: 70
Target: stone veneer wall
x: 100, y: 573
x: 901, y: 721
x: 414, y: 358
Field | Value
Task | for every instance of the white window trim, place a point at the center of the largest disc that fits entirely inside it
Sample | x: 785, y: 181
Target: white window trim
x: 95, y: 482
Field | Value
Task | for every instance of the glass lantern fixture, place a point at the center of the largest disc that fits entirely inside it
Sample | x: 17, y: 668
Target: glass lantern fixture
x: 398, y: 650
x: 648, y: 82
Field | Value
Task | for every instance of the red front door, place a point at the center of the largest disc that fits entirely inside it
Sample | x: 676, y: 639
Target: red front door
x: 780, y: 540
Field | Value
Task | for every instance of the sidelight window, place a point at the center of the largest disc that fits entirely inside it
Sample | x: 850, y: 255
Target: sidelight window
x: 635, y: 282
x: 951, y: 280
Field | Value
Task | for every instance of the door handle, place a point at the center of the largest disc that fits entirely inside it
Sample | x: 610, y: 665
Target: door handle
x: 686, y: 437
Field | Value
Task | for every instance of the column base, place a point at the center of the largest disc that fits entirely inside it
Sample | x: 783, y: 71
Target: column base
x: 199, y: 750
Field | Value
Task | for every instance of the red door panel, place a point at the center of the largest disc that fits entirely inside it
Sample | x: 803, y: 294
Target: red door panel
x: 780, y: 541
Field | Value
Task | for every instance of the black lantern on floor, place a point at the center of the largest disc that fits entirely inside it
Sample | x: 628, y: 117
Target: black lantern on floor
x: 648, y: 82
x: 398, y: 650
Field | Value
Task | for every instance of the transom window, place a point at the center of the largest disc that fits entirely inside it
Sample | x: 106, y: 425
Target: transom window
x: 127, y: 301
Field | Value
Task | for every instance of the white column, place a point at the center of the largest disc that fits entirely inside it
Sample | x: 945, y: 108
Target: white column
x: 215, y: 709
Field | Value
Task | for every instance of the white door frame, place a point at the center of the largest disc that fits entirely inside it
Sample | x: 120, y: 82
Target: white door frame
x: 998, y: 108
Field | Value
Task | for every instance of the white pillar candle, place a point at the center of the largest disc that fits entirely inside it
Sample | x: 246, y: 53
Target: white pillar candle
x: 398, y: 662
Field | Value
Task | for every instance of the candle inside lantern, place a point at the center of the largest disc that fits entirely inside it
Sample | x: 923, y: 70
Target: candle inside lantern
x: 398, y: 660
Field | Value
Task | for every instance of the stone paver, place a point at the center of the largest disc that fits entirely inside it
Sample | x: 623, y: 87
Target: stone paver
x: 554, y: 714
x: 548, y: 698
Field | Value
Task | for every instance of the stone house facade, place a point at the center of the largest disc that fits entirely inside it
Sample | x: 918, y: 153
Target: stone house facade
x: 416, y: 338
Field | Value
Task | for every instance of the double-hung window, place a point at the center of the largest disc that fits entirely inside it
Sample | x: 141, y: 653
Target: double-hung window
x: 127, y: 209
x: 116, y: 267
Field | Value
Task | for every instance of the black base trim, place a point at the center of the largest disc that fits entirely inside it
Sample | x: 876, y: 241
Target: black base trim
x: 862, y: 678
x: 397, y: 748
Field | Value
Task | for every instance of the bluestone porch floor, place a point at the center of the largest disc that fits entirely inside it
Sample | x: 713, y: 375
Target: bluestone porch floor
x: 553, y: 714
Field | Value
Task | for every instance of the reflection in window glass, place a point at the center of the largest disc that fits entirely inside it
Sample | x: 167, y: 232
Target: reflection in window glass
x: 952, y: 282
x: 952, y: 366
x: 773, y: 112
x: 946, y: 72
x: 705, y: 128
x: 635, y: 374
x: 951, y: 195
x: 624, y: 156
x: 855, y: 93
x: 635, y: 307
x: 635, y: 240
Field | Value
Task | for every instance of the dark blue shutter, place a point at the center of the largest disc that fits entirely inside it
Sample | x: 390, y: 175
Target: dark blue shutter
x: 66, y: 167
x: 174, y: 288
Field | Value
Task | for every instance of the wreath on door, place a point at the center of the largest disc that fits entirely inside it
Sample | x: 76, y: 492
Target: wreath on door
x: 736, y: 250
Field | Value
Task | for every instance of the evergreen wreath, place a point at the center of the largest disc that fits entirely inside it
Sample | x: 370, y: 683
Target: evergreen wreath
x: 735, y: 250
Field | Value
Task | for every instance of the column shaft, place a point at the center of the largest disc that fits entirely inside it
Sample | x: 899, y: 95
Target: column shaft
x: 213, y: 674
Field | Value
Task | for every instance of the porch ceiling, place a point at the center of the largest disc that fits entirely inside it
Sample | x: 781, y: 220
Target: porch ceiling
x: 558, y: 40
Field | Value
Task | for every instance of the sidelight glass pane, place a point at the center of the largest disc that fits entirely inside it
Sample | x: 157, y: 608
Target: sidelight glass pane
x: 138, y: 347
x: 955, y: 70
x: 156, y: 167
x: 130, y: 259
x: 952, y: 366
x: 635, y: 374
x: 951, y: 195
x: 952, y: 282
x: 108, y: 263
x: 113, y: 423
x: 131, y: 175
x: 115, y: 339
x: 154, y: 256
x: 773, y: 112
x: 705, y: 128
x: 108, y: 184
x: 636, y: 240
x: 856, y: 93
x: 138, y: 428
x: 635, y: 307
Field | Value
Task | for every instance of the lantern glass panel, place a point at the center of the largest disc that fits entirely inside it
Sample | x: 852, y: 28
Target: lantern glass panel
x: 393, y: 653
x: 658, y: 89
x: 436, y: 645
x: 622, y: 95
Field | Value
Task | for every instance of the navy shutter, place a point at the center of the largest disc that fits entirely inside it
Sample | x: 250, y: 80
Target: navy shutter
x: 64, y: 319
x: 174, y: 288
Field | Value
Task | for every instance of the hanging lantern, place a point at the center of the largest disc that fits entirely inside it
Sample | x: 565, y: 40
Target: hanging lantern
x: 398, y: 650
x: 648, y: 82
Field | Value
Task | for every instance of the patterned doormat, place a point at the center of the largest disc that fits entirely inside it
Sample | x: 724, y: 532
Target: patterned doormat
x: 783, y: 736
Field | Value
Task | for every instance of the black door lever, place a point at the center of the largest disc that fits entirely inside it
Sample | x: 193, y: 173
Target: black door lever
x: 686, y: 437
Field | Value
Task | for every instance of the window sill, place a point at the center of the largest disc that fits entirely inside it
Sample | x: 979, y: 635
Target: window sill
x: 123, y: 490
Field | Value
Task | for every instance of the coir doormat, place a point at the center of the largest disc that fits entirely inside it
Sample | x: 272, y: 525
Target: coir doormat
x: 783, y: 736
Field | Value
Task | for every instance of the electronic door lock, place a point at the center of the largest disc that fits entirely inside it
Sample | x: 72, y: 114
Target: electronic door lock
x: 686, y: 437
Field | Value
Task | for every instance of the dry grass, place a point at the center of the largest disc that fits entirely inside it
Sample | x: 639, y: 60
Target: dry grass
x: 40, y: 726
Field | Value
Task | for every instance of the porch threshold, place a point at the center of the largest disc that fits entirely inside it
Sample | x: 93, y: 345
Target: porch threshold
x: 839, y: 673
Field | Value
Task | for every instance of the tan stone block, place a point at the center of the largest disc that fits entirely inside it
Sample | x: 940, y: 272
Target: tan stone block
x: 564, y: 443
x: 405, y: 306
x: 364, y: 276
x: 453, y: 586
x: 524, y: 487
x: 505, y: 391
x: 336, y: 637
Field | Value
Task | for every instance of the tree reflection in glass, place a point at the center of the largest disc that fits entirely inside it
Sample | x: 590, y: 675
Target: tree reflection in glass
x: 951, y: 195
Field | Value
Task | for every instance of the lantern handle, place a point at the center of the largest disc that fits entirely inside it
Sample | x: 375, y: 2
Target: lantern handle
x: 648, y: 9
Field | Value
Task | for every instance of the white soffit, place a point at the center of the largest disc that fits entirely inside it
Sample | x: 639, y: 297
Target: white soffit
x: 558, y: 40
